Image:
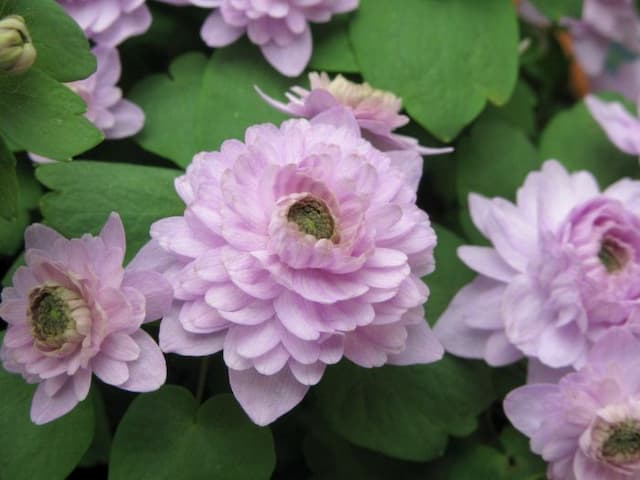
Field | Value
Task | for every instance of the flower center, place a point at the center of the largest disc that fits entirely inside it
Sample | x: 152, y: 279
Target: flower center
x: 623, y: 443
x: 612, y: 255
x: 312, y: 216
x: 52, y: 315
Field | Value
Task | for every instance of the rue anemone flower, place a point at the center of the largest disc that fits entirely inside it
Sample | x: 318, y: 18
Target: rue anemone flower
x: 298, y: 247
x: 377, y: 111
x: 587, y: 426
x: 562, y: 270
x: 279, y: 27
x: 74, y: 311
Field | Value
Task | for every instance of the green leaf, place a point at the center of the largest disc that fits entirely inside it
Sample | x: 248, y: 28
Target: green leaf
x: 557, y: 9
x: 450, y: 274
x: 45, y: 452
x: 331, y: 457
x: 44, y: 117
x: 63, y: 49
x: 518, y: 111
x: 166, y: 435
x: 471, y: 463
x: 575, y: 139
x: 98, y: 451
x: 332, y: 50
x: 204, y: 103
x: 8, y: 183
x: 522, y: 463
x: 445, y: 58
x: 85, y: 193
x: 493, y: 161
x: 8, y: 277
x: 11, y: 231
x: 405, y: 412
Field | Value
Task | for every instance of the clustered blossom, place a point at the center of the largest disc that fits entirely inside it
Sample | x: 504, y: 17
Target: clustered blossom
x: 622, y: 128
x: 297, y: 247
x: 377, y: 111
x: 587, y: 426
x: 279, y: 27
x: 562, y: 270
x: 73, y: 311
x: 114, y: 115
x: 109, y: 22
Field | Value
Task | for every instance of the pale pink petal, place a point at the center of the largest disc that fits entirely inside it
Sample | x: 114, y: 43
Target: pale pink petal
x: 149, y: 371
x: 266, y: 398
x: 217, y: 33
x: 45, y: 408
x: 290, y: 60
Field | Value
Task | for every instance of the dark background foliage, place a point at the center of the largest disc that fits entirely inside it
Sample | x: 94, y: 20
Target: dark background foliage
x: 457, y: 66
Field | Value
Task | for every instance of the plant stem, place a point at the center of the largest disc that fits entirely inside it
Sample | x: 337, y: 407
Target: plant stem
x: 202, y: 379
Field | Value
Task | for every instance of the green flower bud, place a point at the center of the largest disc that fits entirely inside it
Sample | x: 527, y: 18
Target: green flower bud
x: 17, y: 52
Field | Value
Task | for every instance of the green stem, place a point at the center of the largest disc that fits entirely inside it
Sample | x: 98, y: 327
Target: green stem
x: 202, y: 379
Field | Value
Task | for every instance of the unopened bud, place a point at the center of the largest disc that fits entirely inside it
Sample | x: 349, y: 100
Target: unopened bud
x: 17, y: 52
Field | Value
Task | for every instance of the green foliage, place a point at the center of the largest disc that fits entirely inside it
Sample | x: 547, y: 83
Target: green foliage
x: 440, y: 56
x: 405, y: 412
x: 32, y: 452
x: 85, y: 193
x: 43, y: 116
x: 166, y: 435
x: 63, y: 50
x: 557, y: 9
x: 493, y: 160
x: 8, y: 183
x: 332, y: 50
x: 518, y: 111
x: 38, y: 113
x: 29, y: 193
x: 574, y: 138
x: 204, y: 103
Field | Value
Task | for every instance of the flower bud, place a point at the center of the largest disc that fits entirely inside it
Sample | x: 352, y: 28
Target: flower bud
x: 17, y: 52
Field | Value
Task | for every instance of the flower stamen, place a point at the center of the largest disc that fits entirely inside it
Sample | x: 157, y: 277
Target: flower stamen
x: 313, y: 217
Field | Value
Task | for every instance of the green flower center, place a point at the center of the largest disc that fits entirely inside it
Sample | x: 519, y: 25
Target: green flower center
x: 312, y: 217
x: 50, y: 314
x: 613, y: 256
x: 623, y: 443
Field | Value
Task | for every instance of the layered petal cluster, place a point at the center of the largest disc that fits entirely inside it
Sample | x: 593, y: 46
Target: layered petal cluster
x: 297, y: 247
x: 562, y: 270
x: 114, y: 115
x: 109, y: 22
x: 73, y: 311
x: 377, y: 111
x: 587, y: 426
x: 622, y: 128
x: 606, y: 43
x: 279, y: 27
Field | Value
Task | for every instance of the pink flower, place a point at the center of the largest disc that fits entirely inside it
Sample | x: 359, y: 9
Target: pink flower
x: 377, y: 111
x: 606, y: 43
x: 73, y: 311
x: 588, y: 425
x: 109, y: 22
x: 621, y: 127
x: 562, y: 270
x: 106, y: 109
x: 530, y: 14
x: 279, y: 27
x: 298, y: 247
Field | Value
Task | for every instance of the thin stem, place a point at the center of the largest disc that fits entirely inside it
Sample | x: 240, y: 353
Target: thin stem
x: 202, y: 379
